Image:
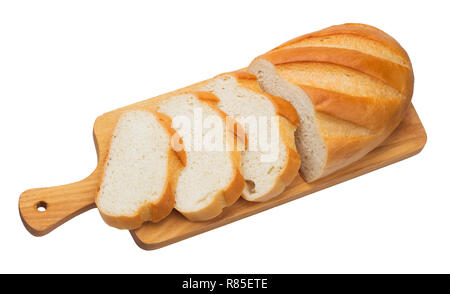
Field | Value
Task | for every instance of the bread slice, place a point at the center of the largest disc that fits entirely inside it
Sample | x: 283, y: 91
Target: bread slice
x: 212, y: 178
x: 267, y: 171
x: 351, y: 85
x: 140, y: 171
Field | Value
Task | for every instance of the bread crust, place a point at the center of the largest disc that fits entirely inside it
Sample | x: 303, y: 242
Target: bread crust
x: 378, y: 116
x: 154, y: 211
x: 371, y: 113
x: 392, y: 74
x: 357, y: 29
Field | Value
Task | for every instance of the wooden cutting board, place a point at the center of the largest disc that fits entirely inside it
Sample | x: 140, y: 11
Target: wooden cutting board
x: 60, y: 204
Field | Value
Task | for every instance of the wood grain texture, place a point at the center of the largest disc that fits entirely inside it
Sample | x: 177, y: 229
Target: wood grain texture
x: 61, y: 203
x: 64, y: 202
x: 407, y: 140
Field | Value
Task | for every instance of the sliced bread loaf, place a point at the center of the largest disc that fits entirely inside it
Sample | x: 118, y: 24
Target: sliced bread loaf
x: 140, y: 171
x: 212, y: 178
x: 351, y: 85
x: 270, y: 161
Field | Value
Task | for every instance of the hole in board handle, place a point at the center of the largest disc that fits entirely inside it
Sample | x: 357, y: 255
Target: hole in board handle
x: 41, y: 206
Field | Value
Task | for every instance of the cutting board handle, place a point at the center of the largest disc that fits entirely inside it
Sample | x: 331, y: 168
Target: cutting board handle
x: 44, y: 209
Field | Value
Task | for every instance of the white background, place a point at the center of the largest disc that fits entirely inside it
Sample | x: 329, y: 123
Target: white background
x: 63, y: 63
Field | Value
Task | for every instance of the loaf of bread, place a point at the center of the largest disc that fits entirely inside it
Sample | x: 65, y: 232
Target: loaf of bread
x: 212, y: 178
x: 351, y: 85
x: 267, y: 171
x: 140, y: 171
x: 336, y: 94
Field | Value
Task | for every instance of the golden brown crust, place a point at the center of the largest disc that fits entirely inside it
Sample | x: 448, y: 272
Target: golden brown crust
x: 344, y: 150
x: 378, y: 114
x: 371, y: 113
x: 242, y: 75
x: 207, y: 97
x: 361, y: 30
x: 393, y: 74
x: 154, y: 211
